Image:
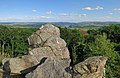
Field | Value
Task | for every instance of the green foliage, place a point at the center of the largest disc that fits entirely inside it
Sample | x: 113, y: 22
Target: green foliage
x: 112, y: 31
x: 100, y: 42
x: 117, y: 47
x: 106, y: 48
x: 13, y: 41
x: 74, y: 40
x: 101, y: 46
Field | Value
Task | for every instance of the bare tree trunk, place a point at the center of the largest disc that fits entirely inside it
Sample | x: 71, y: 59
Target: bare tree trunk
x: 3, y: 49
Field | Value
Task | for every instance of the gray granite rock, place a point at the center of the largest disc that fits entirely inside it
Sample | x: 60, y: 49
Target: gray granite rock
x: 93, y: 67
x: 46, y: 44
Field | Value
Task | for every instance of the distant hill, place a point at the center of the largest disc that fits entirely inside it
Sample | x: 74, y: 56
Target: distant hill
x: 63, y: 24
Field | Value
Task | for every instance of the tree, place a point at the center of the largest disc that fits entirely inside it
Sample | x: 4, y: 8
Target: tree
x: 112, y: 31
x: 4, y: 39
x: 74, y: 41
x: 101, y: 46
x: 13, y: 41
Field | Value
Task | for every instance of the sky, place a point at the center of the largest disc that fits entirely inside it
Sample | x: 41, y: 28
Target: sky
x: 59, y: 10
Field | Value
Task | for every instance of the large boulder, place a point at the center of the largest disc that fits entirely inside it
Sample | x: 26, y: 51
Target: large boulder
x: 93, y: 67
x: 52, y: 68
x: 16, y: 65
x: 45, y: 44
x: 43, y: 34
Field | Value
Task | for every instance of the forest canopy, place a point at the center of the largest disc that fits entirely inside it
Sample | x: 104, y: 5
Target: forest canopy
x: 104, y: 41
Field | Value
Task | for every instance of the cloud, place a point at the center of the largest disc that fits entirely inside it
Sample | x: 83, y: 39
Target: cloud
x: 82, y: 15
x: 117, y: 9
x: 26, y: 18
x: 3, y: 19
x: 38, y: 17
x: 99, y: 8
x: 12, y: 19
x: 34, y: 10
x: 90, y: 8
x: 87, y: 8
x: 45, y: 17
x: 64, y: 14
x: 111, y: 13
x: 49, y: 12
x: 106, y: 17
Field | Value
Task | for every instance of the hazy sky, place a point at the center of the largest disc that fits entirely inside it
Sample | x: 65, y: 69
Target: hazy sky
x: 59, y: 10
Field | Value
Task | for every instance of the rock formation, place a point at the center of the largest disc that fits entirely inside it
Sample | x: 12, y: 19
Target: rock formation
x: 49, y: 58
x: 93, y: 67
x: 48, y: 52
x: 46, y: 42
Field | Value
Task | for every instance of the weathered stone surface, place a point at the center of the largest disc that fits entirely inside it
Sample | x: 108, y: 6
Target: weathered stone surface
x: 93, y: 67
x: 43, y: 34
x: 1, y: 73
x: 46, y: 44
x: 50, y: 45
x: 16, y: 65
x: 5, y: 60
x: 52, y: 68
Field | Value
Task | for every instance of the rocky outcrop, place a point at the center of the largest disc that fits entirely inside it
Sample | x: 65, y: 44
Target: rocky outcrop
x: 46, y: 42
x: 48, y: 52
x: 49, y: 58
x: 93, y: 67
x: 16, y: 65
x: 52, y: 68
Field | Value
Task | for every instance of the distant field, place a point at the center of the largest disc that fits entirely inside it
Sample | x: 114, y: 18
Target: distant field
x: 84, y: 31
